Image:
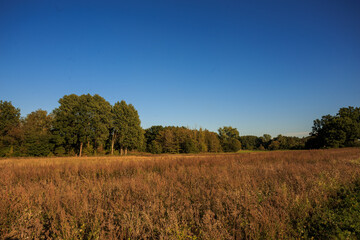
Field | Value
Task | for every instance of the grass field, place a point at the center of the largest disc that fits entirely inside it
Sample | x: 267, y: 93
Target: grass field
x: 255, y: 195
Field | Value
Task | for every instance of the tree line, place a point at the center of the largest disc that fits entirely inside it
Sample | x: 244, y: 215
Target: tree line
x: 340, y: 130
x: 90, y: 125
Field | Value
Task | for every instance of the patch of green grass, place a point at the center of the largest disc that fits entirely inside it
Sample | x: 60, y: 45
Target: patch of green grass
x: 339, y: 218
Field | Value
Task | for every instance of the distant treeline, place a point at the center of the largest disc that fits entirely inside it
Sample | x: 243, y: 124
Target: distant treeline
x: 89, y: 125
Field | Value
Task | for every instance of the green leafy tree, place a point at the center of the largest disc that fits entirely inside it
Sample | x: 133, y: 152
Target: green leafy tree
x: 274, y: 145
x: 351, y: 124
x: 341, y: 130
x: 267, y: 138
x: 100, y: 122
x: 154, y: 147
x: 82, y: 119
x: 189, y: 146
x: 126, y: 127
x: 265, y: 141
x: 37, y: 135
x: 228, y: 132
x: 201, y: 139
x: 212, y: 141
x: 285, y: 142
x: 229, y: 139
x: 150, y: 136
x: 66, y: 123
x: 250, y: 142
x: 181, y: 140
x: 168, y: 140
x: 10, y: 132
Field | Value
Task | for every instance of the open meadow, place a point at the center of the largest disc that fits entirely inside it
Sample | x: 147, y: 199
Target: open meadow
x: 260, y: 195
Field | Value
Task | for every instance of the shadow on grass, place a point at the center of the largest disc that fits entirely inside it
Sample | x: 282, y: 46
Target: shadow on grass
x: 339, y: 218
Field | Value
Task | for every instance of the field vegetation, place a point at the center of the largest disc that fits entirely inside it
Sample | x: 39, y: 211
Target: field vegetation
x: 259, y: 195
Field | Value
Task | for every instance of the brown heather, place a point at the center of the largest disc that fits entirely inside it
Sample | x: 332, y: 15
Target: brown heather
x: 264, y: 195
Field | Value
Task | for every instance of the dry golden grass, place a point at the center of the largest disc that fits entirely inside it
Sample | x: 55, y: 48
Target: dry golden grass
x: 266, y: 195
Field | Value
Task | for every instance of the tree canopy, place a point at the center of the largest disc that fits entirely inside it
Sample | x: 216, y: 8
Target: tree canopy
x: 37, y: 135
x: 341, y: 130
x: 9, y: 128
x: 229, y: 138
x: 126, y: 127
x: 88, y: 125
x: 82, y: 119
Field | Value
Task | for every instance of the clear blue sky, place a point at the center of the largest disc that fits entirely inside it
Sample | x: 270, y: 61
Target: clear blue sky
x: 260, y: 66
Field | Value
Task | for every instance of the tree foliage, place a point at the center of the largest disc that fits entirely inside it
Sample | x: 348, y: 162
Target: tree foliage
x: 82, y: 119
x: 285, y: 142
x: 10, y: 135
x: 150, y: 137
x: 126, y: 127
x: 88, y: 124
x: 180, y: 140
x: 250, y: 142
x: 229, y: 138
x: 37, y: 135
x: 341, y: 130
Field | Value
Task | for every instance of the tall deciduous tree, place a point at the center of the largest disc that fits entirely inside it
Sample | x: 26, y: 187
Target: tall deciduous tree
x: 172, y: 139
x: 151, y: 135
x: 250, y: 142
x: 9, y: 127
x: 82, y: 119
x: 9, y: 117
x: 100, y: 121
x: 341, y: 130
x: 201, y: 139
x: 229, y: 138
x: 37, y: 135
x: 212, y: 141
x: 126, y: 127
x: 169, y: 141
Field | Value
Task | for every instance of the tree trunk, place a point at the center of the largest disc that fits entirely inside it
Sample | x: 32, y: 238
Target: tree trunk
x: 121, y: 151
x: 126, y: 151
x: 112, y: 144
x: 81, y: 146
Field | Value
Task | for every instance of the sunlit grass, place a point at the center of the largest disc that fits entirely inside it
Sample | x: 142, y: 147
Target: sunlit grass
x: 258, y: 195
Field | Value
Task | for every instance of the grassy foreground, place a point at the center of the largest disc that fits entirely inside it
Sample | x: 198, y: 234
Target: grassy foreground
x: 265, y: 195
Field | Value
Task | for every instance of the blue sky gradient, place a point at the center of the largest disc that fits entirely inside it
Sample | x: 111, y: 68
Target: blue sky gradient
x: 260, y: 66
